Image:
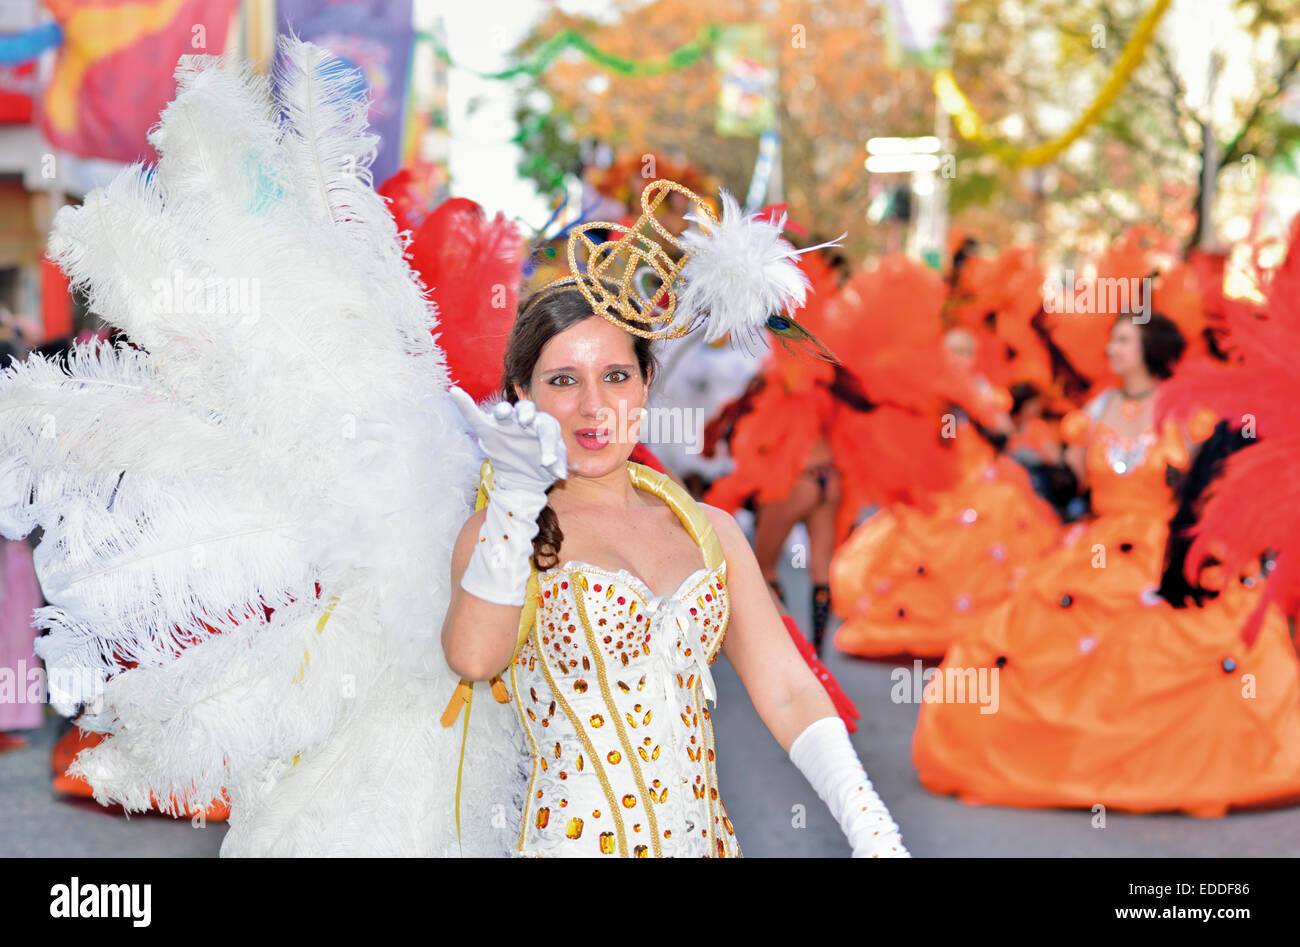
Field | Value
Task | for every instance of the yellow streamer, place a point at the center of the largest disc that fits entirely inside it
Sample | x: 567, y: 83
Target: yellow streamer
x: 971, y: 127
x: 464, y: 736
x: 306, y: 658
x: 320, y: 627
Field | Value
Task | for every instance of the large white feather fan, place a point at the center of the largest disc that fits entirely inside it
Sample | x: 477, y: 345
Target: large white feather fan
x: 282, y: 427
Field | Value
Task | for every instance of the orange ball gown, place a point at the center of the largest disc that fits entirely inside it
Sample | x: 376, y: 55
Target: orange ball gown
x: 1100, y: 692
x: 910, y: 579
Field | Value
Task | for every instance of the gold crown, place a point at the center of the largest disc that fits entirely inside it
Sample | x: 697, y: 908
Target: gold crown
x: 650, y: 312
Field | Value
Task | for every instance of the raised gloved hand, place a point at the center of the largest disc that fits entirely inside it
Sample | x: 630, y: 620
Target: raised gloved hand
x: 527, y: 451
x: 825, y: 756
x: 526, y: 446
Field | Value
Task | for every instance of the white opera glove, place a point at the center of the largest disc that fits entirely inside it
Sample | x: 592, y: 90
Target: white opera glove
x: 526, y: 448
x: 828, y: 761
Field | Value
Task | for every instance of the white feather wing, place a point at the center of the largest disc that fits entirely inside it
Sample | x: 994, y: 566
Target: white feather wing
x: 284, y: 425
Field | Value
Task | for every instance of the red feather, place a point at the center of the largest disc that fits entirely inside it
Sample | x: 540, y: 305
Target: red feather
x: 406, y: 205
x: 885, y: 326
x: 1254, y: 504
x: 473, y: 267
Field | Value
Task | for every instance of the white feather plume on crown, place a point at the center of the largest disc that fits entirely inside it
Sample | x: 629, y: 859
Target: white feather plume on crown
x: 284, y: 425
x: 740, y: 271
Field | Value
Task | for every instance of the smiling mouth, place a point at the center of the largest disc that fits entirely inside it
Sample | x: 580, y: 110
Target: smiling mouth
x: 591, y: 437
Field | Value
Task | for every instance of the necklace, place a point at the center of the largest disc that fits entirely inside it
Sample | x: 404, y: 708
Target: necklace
x: 1131, y: 407
x: 1126, y: 456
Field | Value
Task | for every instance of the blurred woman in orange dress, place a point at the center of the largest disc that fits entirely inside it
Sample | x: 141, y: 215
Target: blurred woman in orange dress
x: 910, y: 578
x: 813, y: 442
x: 1087, y: 688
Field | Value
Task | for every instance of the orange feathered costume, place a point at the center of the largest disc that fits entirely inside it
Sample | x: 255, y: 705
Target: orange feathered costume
x: 914, y: 574
x: 1254, y: 505
x: 879, y: 409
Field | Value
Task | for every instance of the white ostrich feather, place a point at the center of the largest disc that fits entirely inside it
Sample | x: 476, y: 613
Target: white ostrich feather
x: 740, y: 271
x: 282, y: 426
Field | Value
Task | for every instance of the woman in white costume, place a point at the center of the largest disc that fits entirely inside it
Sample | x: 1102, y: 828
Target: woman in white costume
x: 612, y: 682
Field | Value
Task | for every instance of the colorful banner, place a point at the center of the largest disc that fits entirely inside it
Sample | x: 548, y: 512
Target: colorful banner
x: 769, y: 147
x: 746, y: 81
x: 113, y: 74
x: 376, y: 36
x: 17, y: 93
x: 915, y: 32
x: 27, y: 45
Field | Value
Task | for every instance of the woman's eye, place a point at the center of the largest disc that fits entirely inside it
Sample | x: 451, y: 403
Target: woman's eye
x: 564, y: 381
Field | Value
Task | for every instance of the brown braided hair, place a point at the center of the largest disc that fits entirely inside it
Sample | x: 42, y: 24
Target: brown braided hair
x: 542, y: 316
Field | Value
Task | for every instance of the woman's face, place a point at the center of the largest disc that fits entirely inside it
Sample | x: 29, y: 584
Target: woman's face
x: 959, y: 350
x: 588, y: 379
x: 1030, y: 408
x: 1124, y: 349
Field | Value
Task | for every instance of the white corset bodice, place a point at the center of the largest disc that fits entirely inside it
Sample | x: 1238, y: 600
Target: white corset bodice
x: 611, y: 687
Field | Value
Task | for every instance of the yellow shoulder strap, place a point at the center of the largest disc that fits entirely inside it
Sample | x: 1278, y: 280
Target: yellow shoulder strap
x: 690, y: 512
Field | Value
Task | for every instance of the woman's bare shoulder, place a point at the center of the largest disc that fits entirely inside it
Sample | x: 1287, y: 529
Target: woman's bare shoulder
x: 725, y: 525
